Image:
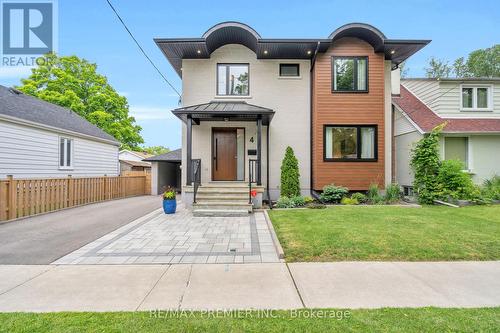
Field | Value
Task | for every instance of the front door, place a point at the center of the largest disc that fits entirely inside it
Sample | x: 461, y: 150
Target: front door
x: 224, y: 154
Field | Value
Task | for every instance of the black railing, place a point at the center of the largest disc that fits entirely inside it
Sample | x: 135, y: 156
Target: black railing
x: 196, y: 167
x: 252, y: 177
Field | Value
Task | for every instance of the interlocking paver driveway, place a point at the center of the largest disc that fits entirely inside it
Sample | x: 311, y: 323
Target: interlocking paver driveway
x: 181, y: 238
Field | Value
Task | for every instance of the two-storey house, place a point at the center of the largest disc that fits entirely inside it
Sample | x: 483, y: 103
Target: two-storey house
x: 471, y: 109
x: 246, y: 98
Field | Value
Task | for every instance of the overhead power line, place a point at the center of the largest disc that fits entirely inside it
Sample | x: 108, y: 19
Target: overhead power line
x: 140, y: 48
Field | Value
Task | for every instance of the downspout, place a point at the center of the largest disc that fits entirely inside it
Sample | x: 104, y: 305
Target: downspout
x: 311, y: 145
x: 267, y: 166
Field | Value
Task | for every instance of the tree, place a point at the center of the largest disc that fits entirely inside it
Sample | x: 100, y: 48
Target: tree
x: 425, y: 163
x: 290, y: 186
x: 479, y: 63
x: 484, y: 62
x: 437, y: 68
x: 155, y: 150
x: 74, y: 83
x: 403, y: 70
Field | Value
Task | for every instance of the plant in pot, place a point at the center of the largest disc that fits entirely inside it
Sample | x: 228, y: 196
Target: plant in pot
x: 169, y: 202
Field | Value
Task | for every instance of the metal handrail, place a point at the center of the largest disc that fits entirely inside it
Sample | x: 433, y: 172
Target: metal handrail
x: 252, y: 167
x: 196, y: 167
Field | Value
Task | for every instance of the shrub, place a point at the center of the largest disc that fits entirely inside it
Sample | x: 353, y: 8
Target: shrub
x: 455, y: 183
x: 290, y: 186
x: 349, y: 201
x: 285, y: 202
x: 392, y: 193
x: 298, y: 201
x: 332, y: 193
x: 308, y: 200
x: 491, y: 188
x: 360, y: 197
x: 373, y: 194
x: 425, y: 164
x: 316, y: 205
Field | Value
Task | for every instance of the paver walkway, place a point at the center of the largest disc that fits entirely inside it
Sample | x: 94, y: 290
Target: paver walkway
x: 181, y: 238
x: 250, y: 286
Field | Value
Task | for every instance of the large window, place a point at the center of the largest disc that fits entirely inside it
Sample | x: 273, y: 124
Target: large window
x: 350, y: 143
x: 232, y: 79
x: 457, y: 148
x: 476, y: 98
x: 350, y: 74
x: 65, y: 153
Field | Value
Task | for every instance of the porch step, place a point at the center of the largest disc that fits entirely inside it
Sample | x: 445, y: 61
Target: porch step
x: 227, y: 199
x: 219, y: 212
x: 228, y: 205
x: 222, y: 196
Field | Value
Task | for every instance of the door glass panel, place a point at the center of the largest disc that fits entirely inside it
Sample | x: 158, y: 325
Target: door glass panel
x: 240, y: 149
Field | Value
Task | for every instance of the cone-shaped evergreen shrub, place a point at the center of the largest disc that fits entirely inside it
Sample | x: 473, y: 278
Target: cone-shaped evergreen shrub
x: 290, y: 186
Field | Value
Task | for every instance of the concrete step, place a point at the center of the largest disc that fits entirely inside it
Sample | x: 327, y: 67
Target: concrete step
x: 223, y: 189
x: 223, y: 205
x: 220, y: 212
x: 222, y: 196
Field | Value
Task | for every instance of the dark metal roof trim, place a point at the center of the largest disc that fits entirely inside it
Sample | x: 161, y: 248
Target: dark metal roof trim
x: 176, y: 49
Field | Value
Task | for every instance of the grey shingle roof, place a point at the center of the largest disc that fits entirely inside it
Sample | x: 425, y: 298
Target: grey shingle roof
x: 171, y: 156
x: 18, y: 105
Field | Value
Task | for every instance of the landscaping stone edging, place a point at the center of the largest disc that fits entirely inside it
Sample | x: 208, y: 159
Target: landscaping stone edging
x: 276, y: 242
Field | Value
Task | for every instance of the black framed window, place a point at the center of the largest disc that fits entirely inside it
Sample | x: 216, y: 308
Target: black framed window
x: 350, y: 74
x: 232, y: 79
x: 350, y: 143
x: 289, y: 70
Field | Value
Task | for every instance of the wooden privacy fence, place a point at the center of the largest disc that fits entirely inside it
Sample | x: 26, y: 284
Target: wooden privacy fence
x: 25, y: 197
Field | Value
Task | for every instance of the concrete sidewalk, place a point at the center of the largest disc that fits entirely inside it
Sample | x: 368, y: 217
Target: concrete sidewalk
x: 245, y: 286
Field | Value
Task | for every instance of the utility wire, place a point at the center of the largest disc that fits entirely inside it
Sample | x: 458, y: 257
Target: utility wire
x: 140, y: 48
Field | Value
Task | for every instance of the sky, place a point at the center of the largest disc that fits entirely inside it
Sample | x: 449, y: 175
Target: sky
x: 89, y: 29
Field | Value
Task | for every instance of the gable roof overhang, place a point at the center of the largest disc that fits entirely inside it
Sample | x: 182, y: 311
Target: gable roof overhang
x: 421, y: 116
x: 176, y: 49
x: 224, y: 111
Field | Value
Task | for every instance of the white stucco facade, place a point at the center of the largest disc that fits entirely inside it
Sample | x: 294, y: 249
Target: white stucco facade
x: 289, y: 97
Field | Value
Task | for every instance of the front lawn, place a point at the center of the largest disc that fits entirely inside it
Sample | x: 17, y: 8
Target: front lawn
x: 430, y: 233
x: 380, y: 320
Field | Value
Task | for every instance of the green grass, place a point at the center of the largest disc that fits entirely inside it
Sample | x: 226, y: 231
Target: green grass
x: 380, y: 320
x: 429, y: 233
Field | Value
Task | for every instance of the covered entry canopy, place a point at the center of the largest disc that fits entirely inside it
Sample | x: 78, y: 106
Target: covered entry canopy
x: 224, y: 111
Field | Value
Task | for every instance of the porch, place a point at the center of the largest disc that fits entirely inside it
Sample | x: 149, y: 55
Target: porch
x: 225, y: 153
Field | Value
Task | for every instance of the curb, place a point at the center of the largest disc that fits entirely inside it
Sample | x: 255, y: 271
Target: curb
x: 276, y: 242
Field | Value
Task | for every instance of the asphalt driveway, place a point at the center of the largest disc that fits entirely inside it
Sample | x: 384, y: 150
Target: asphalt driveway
x: 40, y: 240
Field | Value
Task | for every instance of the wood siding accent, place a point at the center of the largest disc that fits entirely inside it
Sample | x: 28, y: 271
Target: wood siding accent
x: 341, y: 108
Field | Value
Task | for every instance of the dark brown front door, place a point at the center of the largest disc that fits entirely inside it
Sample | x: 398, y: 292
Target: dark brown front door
x: 224, y: 154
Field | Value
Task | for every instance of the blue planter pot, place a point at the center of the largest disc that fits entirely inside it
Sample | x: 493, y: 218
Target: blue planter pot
x: 169, y: 206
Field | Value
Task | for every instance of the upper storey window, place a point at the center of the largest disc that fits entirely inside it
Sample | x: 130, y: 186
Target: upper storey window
x: 350, y: 74
x: 232, y: 80
x: 476, y: 98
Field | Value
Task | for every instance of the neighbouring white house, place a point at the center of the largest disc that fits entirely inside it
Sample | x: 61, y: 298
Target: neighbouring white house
x: 43, y: 140
x: 134, y: 161
x: 471, y: 109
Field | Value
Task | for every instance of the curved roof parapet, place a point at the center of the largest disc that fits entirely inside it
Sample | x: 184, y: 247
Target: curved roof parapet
x: 363, y: 31
x: 231, y: 33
